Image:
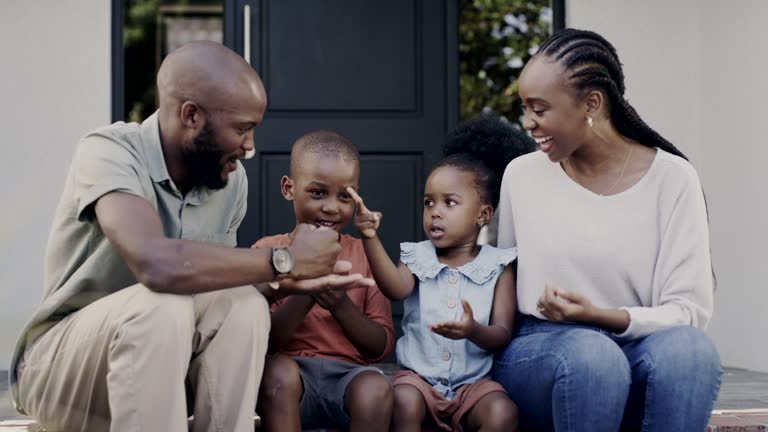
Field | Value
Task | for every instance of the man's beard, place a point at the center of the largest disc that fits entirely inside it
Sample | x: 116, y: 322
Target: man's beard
x: 204, y: 159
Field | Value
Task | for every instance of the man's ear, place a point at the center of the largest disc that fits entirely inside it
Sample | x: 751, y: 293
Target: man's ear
x: 486, y: 213
x: 286, y: 187
x: 192, y: 115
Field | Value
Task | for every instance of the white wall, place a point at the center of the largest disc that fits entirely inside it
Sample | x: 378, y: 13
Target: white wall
x: 696, y: 71
x: 54, y: 87
x: 734, y: 64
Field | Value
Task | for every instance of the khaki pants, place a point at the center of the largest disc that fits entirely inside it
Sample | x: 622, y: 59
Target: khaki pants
x: 121, y: 363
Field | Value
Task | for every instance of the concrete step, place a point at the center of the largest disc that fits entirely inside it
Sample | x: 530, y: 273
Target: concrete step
x: 750, y: 420
x: 747, y: 420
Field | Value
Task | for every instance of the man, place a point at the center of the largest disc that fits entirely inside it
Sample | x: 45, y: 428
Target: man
x: 143, y: 288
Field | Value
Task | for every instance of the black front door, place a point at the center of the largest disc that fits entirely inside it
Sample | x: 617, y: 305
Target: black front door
x: 383, y: 73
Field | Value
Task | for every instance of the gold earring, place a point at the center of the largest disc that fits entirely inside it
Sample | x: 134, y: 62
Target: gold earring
x: 589, y: 121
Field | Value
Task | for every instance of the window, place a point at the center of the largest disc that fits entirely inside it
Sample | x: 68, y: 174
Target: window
x: 147, y: 31
x: 496, y: 39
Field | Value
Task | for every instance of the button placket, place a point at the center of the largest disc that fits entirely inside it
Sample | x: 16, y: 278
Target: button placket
x: 182, y: 204
x: 451, y: 291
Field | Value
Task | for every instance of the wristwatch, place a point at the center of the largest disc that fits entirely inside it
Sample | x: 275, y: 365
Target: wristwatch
x: 282, y: 261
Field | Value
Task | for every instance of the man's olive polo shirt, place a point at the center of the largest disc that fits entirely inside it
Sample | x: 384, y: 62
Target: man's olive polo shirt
x: 81, y: 265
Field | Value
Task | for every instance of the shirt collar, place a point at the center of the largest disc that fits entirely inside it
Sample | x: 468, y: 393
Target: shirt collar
x: 481, y: 269
x: 158, y: 171
x: 150, y: 135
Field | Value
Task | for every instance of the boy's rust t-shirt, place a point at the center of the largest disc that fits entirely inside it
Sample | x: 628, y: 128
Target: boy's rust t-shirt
x: 320, y: 335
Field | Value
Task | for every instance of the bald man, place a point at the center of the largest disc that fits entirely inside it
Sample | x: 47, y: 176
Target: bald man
x: 144, y: 290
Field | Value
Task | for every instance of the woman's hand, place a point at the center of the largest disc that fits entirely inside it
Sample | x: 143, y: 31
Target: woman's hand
x: 460, y: 329
x: 559, y: 306
x: 366, y: 221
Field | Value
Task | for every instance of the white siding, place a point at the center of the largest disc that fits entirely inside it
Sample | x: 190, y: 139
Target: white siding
x: 54, y: 87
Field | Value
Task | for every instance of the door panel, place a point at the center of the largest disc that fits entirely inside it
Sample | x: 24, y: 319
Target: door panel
x: 336, y: 48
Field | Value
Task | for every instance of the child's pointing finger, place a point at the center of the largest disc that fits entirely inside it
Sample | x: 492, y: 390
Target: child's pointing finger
x: 358, y: 200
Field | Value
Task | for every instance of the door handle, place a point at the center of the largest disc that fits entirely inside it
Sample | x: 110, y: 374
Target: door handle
x: 247, y: 33
x: 247, y: 52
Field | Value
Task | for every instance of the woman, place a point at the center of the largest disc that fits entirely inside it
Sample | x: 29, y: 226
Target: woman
x: 614, y: 276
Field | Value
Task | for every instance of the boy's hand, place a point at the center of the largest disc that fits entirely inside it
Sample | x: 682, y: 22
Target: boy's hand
x: 330, y: 300
x: 314, y: 251
x: 457, y: 329
x: 366, y: 221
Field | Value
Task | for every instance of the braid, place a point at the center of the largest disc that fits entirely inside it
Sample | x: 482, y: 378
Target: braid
x: 593, y: 64
x: 629, y: 123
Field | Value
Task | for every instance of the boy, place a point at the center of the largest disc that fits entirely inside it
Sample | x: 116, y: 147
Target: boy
x: 323, y: 343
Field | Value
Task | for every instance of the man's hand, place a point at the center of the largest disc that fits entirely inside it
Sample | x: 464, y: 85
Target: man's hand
x: 560, y: 306
x: 338, y: 280
x: 314, y: 252
x: 366, y: 221
x: 460, y: 329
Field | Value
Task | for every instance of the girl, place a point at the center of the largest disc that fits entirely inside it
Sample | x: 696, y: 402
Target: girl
x: 615, y: 280
x: 459, y: 298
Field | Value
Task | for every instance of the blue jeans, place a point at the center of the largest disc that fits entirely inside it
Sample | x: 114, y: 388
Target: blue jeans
x: 568, y: 377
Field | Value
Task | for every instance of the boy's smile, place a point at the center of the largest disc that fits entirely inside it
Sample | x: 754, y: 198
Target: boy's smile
x: 318, y: 190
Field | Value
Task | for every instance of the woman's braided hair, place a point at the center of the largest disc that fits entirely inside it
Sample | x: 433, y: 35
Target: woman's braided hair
x: 591, y: 63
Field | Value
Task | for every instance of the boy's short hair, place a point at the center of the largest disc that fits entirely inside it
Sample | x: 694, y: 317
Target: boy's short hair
x: 322, y: 143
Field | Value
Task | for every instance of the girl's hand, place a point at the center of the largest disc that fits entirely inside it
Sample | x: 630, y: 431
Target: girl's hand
x: 366, y: 221
x: 559, y: 306
x: 457, y: 329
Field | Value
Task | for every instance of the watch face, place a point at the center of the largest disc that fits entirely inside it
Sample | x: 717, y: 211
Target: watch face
x: 282, y: 260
